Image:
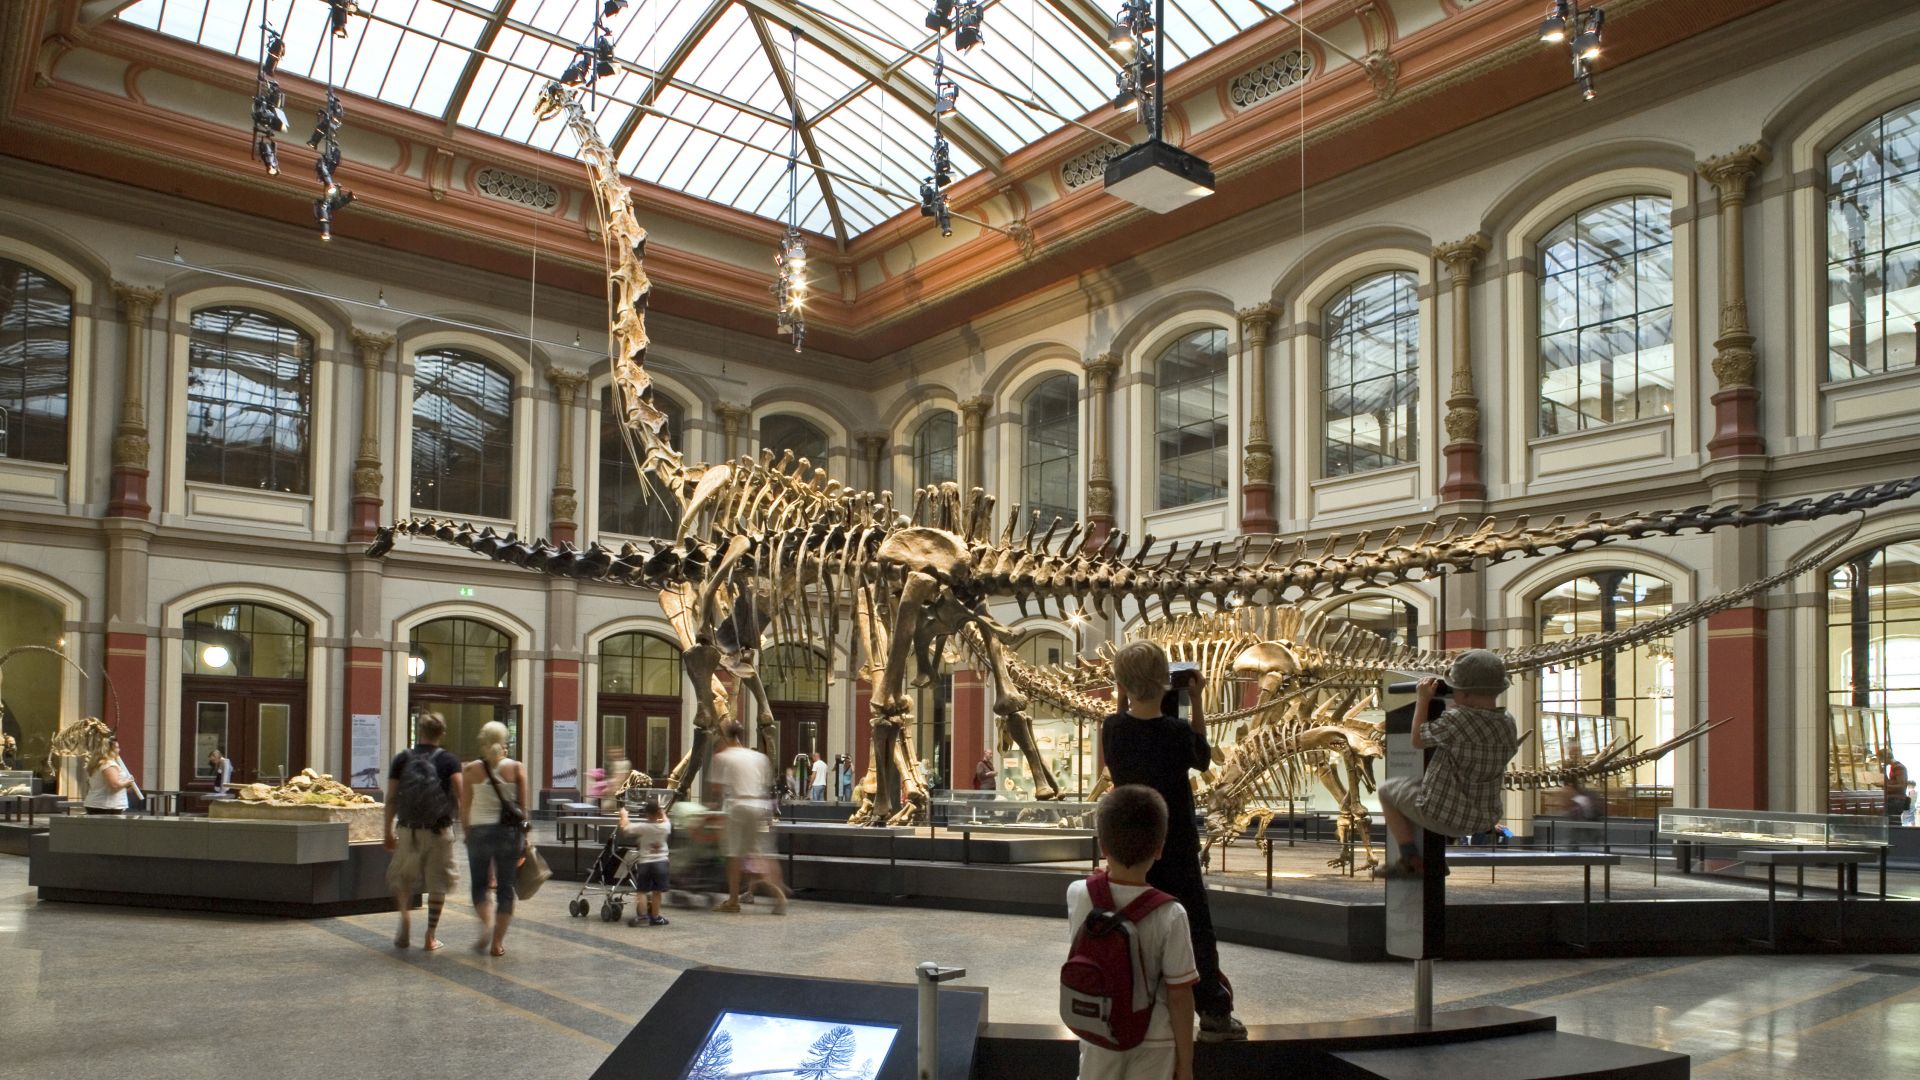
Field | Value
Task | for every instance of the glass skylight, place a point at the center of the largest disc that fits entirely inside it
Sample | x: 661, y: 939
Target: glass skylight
x: 700, y: 101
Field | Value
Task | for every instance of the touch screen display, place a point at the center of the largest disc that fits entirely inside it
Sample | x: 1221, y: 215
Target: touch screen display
x: 744, y: 1044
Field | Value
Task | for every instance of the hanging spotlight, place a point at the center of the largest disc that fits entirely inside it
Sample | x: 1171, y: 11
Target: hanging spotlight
x: 946, y: 92
x: 1120, y: 38
x: 337, y: 13
x: 269, y: 101
x: 790, y: 258
x: 612, y: 7
x: 933, y: 204
x: 940, y: 16
x: 327, y: 205
x: 276, y: 49
x: 942, y: 161
x: 1583, y: 46
x: 1554, y: 29
x: 967, y: 31
x: 602, y: 56
x: 1154, y: 174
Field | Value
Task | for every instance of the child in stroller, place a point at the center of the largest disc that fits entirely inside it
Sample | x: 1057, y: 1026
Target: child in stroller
x: 698, y: 868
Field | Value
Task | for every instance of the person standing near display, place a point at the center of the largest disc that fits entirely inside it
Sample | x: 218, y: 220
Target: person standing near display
x: 493, y: 815
x: 108, y: 782
x: 739, y: 780
x: 846, y: 778
x: 817, y: 790
x: 222, y: 769
x: 1142, y: 745
x: 424, y: 793
x: 983, y: 773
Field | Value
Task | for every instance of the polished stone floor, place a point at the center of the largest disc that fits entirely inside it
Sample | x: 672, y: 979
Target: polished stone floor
x: 88, y: 990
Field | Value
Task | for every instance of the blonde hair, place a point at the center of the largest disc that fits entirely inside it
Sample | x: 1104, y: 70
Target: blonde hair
x: 493, y: 741
x: 108, y: 751
x: 1140, y: 669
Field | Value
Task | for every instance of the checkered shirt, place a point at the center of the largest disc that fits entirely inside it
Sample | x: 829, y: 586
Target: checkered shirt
x: 1460, y: 794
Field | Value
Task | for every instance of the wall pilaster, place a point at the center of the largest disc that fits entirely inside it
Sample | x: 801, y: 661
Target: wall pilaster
x: 1736, y: 404
x: 371, y: 350
x: 1256, y: 491
x: 127, y: 485
x: 1464, y: 480
x: 564, y: 507
x: 1100, y: 371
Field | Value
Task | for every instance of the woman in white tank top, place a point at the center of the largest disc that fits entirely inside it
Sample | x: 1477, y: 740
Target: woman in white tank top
x: 492, y: 814
x: 107, y: 782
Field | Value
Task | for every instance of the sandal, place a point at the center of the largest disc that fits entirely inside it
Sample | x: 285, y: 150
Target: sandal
x: 434, y: 945
x: 402, y: 941
x: 498, y: 950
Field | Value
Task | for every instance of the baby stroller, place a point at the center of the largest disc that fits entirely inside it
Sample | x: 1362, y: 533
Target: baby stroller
x: 611, y: 876
x: 694, y: 860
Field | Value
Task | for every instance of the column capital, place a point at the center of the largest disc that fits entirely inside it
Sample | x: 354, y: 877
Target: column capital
x: 1101, y: 368
x: 1461, y: 255
x: 1730, y: 172
x: 371, y: 345
x: 732, y: 417
x: 1256, y: 322
x: 871, y: 442
x: 566, y: 384
x: 136, y: 301
x: 974, y: 409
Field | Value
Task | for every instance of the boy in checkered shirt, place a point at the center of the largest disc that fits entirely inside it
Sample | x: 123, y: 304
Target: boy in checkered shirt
x: 1473, y: 740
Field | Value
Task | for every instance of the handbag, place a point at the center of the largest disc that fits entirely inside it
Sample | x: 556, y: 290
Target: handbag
x: 533, y: 872
x: 510, y: 812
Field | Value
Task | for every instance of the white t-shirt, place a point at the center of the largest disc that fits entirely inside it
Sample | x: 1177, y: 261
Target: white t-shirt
x: 649, y: 839
x: 745, y: 776
x: 1166, y: 947
x: 820, y: 773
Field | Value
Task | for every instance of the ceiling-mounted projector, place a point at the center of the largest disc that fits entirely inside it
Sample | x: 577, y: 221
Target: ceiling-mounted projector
x: 1159, y: 176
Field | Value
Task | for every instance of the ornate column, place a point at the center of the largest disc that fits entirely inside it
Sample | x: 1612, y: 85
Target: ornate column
x: 973, y: 415
x: 733, y: 420
x: 127, y: 487
x: 1463, y: 482
x: 370, y: 349
x: 1256, y: 493
x: 563, y: 506
x: 873, y: 445
x: 1736, y: 405
x: 1100, y: 372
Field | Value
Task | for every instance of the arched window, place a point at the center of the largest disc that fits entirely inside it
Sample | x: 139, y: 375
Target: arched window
x: 1873, y: 663
x: 1190, y: 419
x: 1873, y: 246
x: 1370, y: 375
x: 936, y: 450
x: 1050, y: 469
x: 1067, y: 744
x: 30, y: 707
x: 639, y: 703
x: 462, y: 669
x: 1387, y: 617
x: 462, y: 434
x: 781, y: 432
x: 628, y: 504
x: 1606, y: 315
x: 249, y: 400
x: 243, y: 692
x: 1624, y: 695
x: 36, y: 363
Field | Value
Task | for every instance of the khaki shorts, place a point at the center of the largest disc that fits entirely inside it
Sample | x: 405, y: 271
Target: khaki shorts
x: 1403, y: 794
x: 747, y: 830
x: 423, y: 859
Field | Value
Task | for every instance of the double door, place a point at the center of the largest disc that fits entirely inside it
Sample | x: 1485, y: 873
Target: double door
x: 803, y: 730
x: 642, y: 730
x: 261, y: 724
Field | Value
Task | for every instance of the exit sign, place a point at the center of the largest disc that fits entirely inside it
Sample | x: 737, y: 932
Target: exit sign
x: 466, y: 590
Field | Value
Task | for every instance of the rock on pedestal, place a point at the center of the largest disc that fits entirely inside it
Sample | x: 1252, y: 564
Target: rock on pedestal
x: 364, y: 821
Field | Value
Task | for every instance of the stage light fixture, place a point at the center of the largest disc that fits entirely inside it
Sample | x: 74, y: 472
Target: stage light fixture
x: 337, y: 14
x: 602, y: 56
x: 612, y: 8
x: 1583, y: 46
x: 967, y: 29
x: 940, y: 15
x: 1120, y: 38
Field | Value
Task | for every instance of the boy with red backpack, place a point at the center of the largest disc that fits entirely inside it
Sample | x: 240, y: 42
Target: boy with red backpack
x: 1127, y: 986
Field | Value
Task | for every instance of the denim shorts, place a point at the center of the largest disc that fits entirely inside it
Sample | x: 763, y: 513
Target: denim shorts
x: 650, y: 876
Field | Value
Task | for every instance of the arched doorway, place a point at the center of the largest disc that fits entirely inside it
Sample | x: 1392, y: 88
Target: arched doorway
x: 796, y: 680
x: 30, y: 704
x: 462, y: 669
x: 640, y: 702
x: 243, y: 690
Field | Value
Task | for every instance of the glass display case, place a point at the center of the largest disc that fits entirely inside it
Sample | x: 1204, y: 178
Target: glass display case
x: 1768, y: 827
x: 1858, y: 746
x: 1059, y: 813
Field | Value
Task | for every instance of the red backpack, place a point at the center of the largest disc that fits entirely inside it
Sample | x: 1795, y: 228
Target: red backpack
x: 1104, y: 994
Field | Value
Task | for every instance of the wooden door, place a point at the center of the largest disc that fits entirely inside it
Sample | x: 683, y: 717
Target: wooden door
x: 261, y: 724
x: 803, y: 730
x: 643, y: 729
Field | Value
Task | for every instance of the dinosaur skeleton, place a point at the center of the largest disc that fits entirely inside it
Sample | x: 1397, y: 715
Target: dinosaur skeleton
x: 765, y: 543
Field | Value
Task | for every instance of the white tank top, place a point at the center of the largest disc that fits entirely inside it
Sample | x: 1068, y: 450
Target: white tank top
x: 486, y: 804
x: 100, y: 794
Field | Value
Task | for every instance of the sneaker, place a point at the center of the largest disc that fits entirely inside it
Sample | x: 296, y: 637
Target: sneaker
x: 1404, y: 867
x: 731, y: 906
x: 1221, y: 1027
x: 657, y: 920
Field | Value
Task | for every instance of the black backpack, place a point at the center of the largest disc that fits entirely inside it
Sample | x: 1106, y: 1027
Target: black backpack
x: 421, y: 801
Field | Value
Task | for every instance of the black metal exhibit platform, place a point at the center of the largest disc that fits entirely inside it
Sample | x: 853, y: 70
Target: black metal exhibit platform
x: 1485, y: 1044
x: 15, y: 834
x: 1349, y: 923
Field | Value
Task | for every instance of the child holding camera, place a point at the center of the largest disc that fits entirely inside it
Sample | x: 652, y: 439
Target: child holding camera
x: 1473, y: 740
x: 1143, y: 745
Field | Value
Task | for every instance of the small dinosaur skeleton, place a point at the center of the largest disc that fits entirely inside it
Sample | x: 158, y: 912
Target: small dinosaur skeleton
x: 765, y: 543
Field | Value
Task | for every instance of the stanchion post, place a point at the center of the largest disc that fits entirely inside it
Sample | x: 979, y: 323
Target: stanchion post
x: 1423, y: 994
x: 931, y: 975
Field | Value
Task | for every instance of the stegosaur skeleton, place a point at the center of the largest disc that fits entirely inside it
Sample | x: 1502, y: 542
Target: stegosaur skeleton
x: 766, y: 545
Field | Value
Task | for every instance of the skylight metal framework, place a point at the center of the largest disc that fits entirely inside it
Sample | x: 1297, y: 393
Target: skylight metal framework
x: 861, y: 89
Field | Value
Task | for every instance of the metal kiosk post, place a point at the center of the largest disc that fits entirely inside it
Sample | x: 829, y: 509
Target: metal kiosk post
x: 931, y: 975
x: 1416, y: 908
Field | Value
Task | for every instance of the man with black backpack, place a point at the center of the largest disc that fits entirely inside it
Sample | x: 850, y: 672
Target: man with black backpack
x: 423, y: 795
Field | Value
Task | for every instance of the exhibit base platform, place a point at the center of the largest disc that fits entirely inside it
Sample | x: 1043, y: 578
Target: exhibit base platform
x: 14, y: 835
x: 1349, y: 931
x: 300, y: 870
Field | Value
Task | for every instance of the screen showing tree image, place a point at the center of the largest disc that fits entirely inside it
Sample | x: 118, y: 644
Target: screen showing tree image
x: 744, y: 1044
